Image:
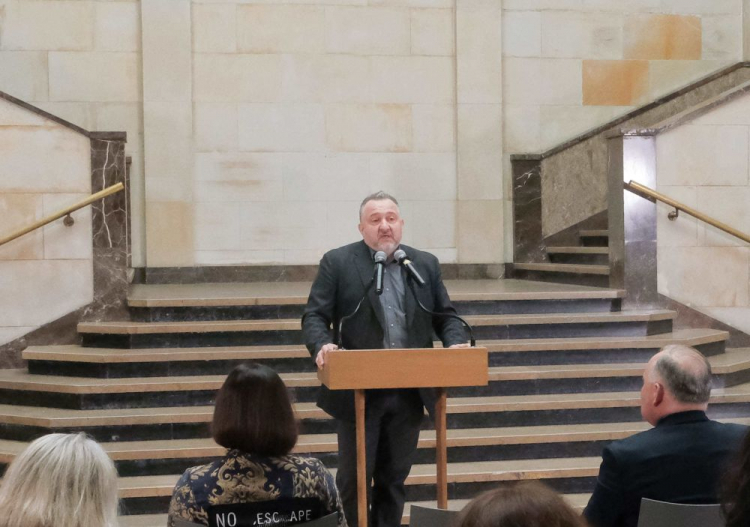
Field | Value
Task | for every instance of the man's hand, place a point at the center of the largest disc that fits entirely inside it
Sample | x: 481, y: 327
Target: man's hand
x: 462, y: 345
x: 320, y: 358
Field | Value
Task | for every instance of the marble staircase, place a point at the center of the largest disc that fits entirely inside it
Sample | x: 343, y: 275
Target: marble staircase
x: 565, y: 361
x: 586, y: 263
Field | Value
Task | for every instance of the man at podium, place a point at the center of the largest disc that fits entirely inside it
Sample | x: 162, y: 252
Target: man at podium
x: 378, y: 314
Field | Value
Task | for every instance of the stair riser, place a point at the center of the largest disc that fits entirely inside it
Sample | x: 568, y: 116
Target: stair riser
x: 593, y: 280
x: 631, y: 382
x: 495, y: 307
x: 270, y: 338
x: 595, y: 241
x: 456, y: 491
x: 579, y: 259
x: 305, y: 364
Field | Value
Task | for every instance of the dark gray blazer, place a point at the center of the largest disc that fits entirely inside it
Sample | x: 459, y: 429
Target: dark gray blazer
x: 680, y: 460
x: 343, y: 276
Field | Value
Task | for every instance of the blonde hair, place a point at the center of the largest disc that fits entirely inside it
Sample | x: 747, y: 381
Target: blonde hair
x: 60, y: 480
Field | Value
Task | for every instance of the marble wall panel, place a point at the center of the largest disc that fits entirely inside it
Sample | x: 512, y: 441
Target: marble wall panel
x: 19, y: 211
x: 217, y: 226
x: 433, y: 128
x: 432, y: 32
x: 722, y: 37
x: 123, y: 117
x: 236, y: 78
x: 117, y: 26
x: 82, y: 114
x: 700, y: 7
x: 262, y: 227
x: 522, y: 34
x: 662, y: 37
x: 372, y: 30
x: 479, y: 68
x: 287, y: 127
x: 281, y: 29
x: 428, y: 177
x: 12, y: 115
x: 558, y: 123
x: 168, y: 128
x: 428, y: 80
x: 583, y: 34
x: 480, y: 231
x: 332, y: 78
x: 94, y: 77
x: 38, y: 291
x: 726, y: 165
x: 22, y: 169
x: 30, y: 79
x: 168, y: 242
x: 216, y: 126
x: 737, y: 317
x: 432, y: 224
x: 705, y: 276
x: 615, y: 83
x: 333, y: 178
x: 728, y: 205
x: 167, y: 50
x: 665, y: 76
x: 46, y: 25
x: 214, y: 28
x: 67, y: 243
x: 239, y: 166
x: 686, y: 231
x: 368, y: 128
x: 303, y: 226
x: 480, y: 161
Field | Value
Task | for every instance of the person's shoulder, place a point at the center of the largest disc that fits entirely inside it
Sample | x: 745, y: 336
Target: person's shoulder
x: 305, y: 462
x: 344, y: 251
x: 420, y: 256
x: 732, y: 431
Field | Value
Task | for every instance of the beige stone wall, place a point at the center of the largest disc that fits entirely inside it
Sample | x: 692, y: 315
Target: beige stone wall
x: 44, y: 167
x: 704, y: 164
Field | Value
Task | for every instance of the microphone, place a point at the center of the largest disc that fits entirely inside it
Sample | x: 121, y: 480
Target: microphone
x: 404, y: 261
x: 379, y: 270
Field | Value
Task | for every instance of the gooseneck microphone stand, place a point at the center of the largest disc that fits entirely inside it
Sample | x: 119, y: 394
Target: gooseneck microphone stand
x: 350, y: 315
x: 409, y: 281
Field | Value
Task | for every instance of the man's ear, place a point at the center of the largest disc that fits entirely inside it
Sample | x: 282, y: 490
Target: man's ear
x: 658, y: 394
x: 360, y: 227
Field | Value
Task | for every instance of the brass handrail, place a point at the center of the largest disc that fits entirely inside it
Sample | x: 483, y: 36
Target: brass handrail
x: 65, y: 212
x: 637, y: 188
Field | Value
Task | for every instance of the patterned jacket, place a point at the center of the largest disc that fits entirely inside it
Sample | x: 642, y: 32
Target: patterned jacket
x: 246, y: 478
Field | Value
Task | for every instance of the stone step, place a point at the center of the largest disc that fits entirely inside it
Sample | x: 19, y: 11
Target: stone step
x: 262, y: 300
x: 579, y: 255
x: 151, y: 494
x: 73, y: 360
x: 464, y: 445
x: 594, y: 237
x: 20, y: 387
x: 24, y: 423
x: 563, y: 268
x: 126, y: 334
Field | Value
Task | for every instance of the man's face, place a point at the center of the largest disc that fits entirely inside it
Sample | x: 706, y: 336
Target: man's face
x: 381, y: 225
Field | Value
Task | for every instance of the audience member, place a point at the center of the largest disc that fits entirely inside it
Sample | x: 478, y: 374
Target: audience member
x: 736, y: 489
x: 681, y: 459
x: 527, y: 504
x: 258, y: 480
x: 60, y: 480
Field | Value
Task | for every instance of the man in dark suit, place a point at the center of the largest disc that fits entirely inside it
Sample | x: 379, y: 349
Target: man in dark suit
x: 681, y: 459
x: 391, y: 320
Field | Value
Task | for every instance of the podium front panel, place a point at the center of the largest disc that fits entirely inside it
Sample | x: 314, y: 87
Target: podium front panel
x: 405, y: 368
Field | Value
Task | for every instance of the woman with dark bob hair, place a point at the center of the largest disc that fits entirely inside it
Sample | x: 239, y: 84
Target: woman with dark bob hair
x: 258, y: 481
x: 735, y: 495
x: 527, y: 504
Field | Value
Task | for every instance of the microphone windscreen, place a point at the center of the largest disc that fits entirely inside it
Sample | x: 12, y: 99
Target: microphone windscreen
x: 399, y: 255
x: 380, y: 257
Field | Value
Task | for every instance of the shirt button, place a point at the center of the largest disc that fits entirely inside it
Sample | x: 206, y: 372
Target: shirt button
x: 391, y: 325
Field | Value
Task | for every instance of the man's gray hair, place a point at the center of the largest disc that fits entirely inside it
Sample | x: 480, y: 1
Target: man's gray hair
x: 686, y: 373
x: 376, y: 196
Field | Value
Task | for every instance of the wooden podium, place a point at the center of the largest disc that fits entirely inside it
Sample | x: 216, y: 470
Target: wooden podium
x: 440, y: 368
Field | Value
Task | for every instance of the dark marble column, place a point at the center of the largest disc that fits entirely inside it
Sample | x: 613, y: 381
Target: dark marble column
x: 110, y: 226
x: 528, y: 242
x: 632, y: 219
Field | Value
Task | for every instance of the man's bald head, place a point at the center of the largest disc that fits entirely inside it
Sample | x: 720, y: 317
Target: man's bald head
x: 677, y: 379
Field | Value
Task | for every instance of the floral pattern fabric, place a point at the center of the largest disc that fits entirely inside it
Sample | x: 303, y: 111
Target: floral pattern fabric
x: 239, y: 477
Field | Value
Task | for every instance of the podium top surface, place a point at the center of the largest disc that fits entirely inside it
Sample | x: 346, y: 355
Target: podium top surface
x: 405, y: 368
